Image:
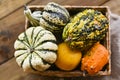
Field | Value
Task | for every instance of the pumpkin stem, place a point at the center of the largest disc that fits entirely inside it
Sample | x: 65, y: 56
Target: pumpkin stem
x: 31, y: 50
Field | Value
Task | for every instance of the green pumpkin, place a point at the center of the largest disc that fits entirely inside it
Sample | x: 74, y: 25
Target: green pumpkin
x: 85, y: 29
x: 35, y: 49
x: 54, y: 17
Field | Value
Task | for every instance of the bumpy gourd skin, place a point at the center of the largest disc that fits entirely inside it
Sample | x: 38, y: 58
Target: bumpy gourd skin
x: 54, y: 17
x: 95, y: 59
x: 85, y: 29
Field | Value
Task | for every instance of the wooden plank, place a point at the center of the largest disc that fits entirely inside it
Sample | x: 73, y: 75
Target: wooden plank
x: 10, y: 71
x: 8, y: 6
x: 114, y: 6
x: 72, y: 2
x: 10, y: 27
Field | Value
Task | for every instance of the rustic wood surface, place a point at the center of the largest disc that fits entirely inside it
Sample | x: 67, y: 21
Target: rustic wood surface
x: 12, y: 23
x: 8, y: 6
x: 113, y: 5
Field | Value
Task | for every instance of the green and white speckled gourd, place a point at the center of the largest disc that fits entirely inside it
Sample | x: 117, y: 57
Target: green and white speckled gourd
x: 85, y: 29
x: 35, y: 49
x: 54, y: 17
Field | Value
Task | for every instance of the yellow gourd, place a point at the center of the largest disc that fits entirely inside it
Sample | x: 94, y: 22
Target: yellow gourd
x: 68, y: 59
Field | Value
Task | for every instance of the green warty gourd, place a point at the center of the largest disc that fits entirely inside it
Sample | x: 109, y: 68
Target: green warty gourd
x: 85, y: 29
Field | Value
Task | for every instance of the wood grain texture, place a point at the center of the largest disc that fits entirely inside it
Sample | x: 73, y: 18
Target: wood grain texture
x: 10, y: 70
x: 8, y: 6
x: 114, y: 6
x: 72, y: 2
x: 10, y: 28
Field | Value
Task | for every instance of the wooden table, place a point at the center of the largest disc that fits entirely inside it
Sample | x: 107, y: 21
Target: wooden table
x: 12, y: 23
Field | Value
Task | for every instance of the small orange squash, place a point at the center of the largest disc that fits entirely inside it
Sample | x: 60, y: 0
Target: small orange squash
x: 67, y: 59
x: 95, y: 59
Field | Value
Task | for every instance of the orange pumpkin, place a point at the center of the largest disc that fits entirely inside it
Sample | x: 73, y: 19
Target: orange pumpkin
x: 95, y: 59
x: 67, y: 59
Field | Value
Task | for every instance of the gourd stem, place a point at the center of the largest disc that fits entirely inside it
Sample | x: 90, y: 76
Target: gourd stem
x: 31, y: 50
x: 27, y: 13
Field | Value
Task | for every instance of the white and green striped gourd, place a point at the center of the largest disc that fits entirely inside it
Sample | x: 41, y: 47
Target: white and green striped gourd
x: 35, y: 49
x: 54, y: 17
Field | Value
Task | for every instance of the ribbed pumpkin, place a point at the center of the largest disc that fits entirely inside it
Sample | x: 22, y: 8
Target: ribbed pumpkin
x: 35, y: 49
x: 85, y: 29
x: 95, y: 59
x: 54, y: 17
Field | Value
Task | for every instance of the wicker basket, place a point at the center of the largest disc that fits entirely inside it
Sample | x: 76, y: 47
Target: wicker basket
x: 106, y: 42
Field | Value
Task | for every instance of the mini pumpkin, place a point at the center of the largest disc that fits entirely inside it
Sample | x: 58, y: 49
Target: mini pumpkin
x: 35, y: 49
x: 95, y: 59
x: 54, y: 17
x: 85, y: 29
